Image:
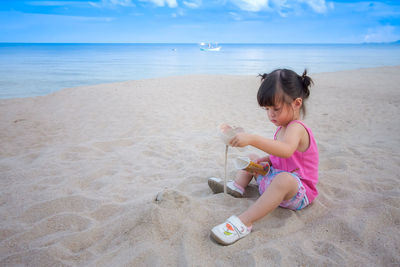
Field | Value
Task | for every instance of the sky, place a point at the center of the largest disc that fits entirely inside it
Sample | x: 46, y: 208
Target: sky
x: 194, y: 21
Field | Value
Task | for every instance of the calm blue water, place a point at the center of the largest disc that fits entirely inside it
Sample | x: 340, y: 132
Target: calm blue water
x: 39, y: 69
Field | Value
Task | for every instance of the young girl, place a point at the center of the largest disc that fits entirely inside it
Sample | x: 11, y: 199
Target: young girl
x: 293, y: 156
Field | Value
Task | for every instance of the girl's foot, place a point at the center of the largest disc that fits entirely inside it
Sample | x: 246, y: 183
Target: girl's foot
x: 230, y: 231
x: 217, y: 186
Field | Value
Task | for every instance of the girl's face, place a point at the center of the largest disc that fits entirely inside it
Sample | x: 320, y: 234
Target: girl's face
x: 283, y: 113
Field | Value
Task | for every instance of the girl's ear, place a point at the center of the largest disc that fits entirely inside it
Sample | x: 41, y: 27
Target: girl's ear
x: 298, y: 102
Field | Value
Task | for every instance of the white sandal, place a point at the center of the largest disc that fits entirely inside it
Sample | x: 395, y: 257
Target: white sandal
x: 230, y: 231
x: 217, y: 186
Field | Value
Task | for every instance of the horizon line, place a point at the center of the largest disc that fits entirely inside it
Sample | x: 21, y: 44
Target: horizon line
x: 227, y: 43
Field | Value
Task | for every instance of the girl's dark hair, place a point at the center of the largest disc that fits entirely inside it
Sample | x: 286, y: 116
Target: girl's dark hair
x: 283, y: 85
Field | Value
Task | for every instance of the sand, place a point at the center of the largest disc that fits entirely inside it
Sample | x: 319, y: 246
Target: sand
x: 116, y: 174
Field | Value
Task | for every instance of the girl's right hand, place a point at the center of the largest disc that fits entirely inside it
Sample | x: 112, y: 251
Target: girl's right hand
x: 263, y: 159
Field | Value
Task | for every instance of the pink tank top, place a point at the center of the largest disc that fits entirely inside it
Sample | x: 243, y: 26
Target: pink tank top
x: 303, y: 163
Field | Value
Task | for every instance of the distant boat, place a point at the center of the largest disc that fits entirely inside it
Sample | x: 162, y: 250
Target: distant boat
x: 209, y: 47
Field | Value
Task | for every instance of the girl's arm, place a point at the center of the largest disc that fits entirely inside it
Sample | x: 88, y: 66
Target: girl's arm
x: 281, y: 148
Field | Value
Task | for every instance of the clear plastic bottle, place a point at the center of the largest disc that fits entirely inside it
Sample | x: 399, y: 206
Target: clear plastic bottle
x: 228, y: 132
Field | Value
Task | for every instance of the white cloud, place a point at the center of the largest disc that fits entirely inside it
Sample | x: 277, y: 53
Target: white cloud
x: 193, y: 4
x: 282, y: 6
x: 318, y: 6
x: 160, y: 3
x: 235, y: 16
x: 128, y: 3
x: 63, y: 18
x: 112, y: 3
x: 179, y: 13
x: 52, y: 3
x: 119, y: 2
x: 382, y: 34
x: 251, y: 5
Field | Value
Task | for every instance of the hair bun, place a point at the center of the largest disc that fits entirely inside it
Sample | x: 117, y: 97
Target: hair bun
x: 263, y: 76
x: 307, y: 82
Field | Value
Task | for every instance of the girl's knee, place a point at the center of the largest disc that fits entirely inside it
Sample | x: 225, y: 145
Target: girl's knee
x: 285, y: 181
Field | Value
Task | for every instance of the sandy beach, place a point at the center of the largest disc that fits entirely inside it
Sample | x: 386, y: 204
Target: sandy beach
x: 80, y: 171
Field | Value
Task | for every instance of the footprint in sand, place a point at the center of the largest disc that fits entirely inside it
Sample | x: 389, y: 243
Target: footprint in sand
x: 60, y: 205
x: 334, y: 192
x: 109, y: 146
x: 333, y: 163
x: 171, y: 199
x: 7, y: 232
x: 106, y: 212
x: 74, y: 153
x: 331, y: 252
x: 60, y: 223
x: 47, y: 232
x: 79, y: 242
x: 271, y: 254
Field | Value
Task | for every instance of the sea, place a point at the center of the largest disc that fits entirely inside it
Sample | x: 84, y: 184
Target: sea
x: 37, y: 69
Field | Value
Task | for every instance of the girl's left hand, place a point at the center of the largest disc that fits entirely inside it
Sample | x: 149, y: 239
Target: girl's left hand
x: 240, y: 140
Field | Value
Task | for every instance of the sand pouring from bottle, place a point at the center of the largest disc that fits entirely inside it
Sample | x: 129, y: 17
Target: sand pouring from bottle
x: 227, y: 133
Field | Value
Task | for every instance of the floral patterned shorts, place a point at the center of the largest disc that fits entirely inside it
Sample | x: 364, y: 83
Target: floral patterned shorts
x: 298, y: 202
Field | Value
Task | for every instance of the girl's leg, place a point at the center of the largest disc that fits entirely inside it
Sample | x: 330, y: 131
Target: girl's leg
x: 283, y: 187
x: 243, y: 178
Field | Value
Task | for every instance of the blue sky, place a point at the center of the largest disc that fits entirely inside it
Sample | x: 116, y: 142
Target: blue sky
x: 193, y: 21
